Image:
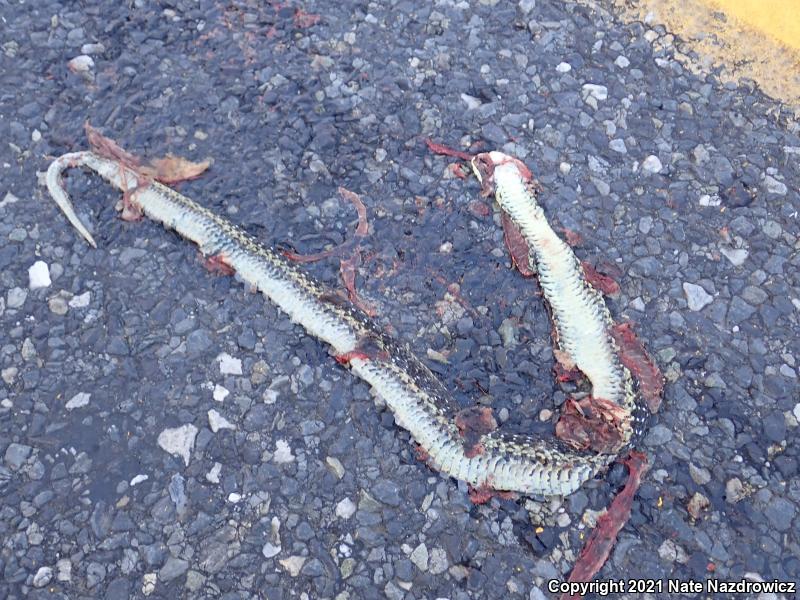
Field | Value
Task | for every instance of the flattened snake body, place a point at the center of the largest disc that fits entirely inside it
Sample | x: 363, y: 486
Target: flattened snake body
x: 482, y: 457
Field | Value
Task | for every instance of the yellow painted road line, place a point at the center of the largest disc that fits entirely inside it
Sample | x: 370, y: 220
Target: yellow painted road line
x: 779, y: 19
x: 756, y: 40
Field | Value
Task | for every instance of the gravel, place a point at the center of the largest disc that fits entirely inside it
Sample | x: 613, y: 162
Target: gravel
x: 79, y: 400
x: 39, y: 275
x: 652, y: 164
x: 298, y: 485
x: 696, y: 296
x: 179, y: 441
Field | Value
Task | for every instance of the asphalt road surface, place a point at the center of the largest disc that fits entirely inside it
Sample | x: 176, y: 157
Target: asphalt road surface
x: 165, y: 432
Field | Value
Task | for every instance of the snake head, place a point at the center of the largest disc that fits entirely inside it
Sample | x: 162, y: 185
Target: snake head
x: 488, y: 166
x: 483, y: 167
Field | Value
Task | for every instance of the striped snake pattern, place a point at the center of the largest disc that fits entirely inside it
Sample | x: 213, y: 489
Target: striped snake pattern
x: 481, y: 456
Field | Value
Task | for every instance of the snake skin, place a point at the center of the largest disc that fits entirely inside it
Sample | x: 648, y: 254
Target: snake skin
x: 420, y: 404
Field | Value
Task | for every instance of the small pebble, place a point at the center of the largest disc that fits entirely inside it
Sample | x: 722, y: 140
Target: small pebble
x: 698, y: 505
x: 39, y: 275
x: 78, y: 400
x: 774, y: 186
x: 671, y: 552
x: 598, y: 92
x: 345, y: 509
x: 652, y: 164
x: 64, y: 569
x: 228, y: 365
x: 139, y: 479
x: 699, y: 475
x: 81, y: 301
x: 16, y: 297
x: 618, y: 145
x: 335, y: 465
x: 216, y: 421
x: 149, y: 583
x: 213, y: 475
x: 179, y: 441
x: 293, y: 564
x: 220, y: 393
x: 93, y: 48
x: 735, y: 256
x: 42, y: 577
x: 419, y: 556
x: 269, y: 550
x: 696, y: 296
x: 283, y: 452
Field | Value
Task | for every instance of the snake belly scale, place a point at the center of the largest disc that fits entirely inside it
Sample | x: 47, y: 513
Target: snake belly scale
x: 419, y: 402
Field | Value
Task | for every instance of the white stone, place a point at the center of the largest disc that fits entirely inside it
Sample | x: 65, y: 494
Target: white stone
x: 564, y: 67
x: 737, y: 256
x: 565, y: 168
x: 706, y: 200
x: 438, y: 561
x: 213, y: 475
x: 598, y: 92
x: 216, y: 421
x: 234, y: 498
x: 64, y: 569
x: 228, y: 365
x: 95, y: 48
x: 39, y: 275
x: 283, y: 452
x: 81, y: 64
x: 149, y: 583
x: 669, y: 551
x: 269, y: 550
x: 81, y: 301
x: 696, y: 296
x: 78, y: 400
x: 335, y: 465
x: 471, y: 101
x: 345, y: 509
x: 293, y: 564
x: 179, y: 441
x: 42, y: 577
x: 618, y: 145
x: 139, y: 479
x: 652, y: 164
x: 622, y: 62
x: 220, y: 393
x: 419, y: 556
x: 774, y: 186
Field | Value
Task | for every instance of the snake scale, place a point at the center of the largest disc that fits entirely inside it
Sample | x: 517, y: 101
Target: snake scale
x: 420, y: 404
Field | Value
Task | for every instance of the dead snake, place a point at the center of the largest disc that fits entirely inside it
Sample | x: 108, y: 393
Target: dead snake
x: 420, y: 404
